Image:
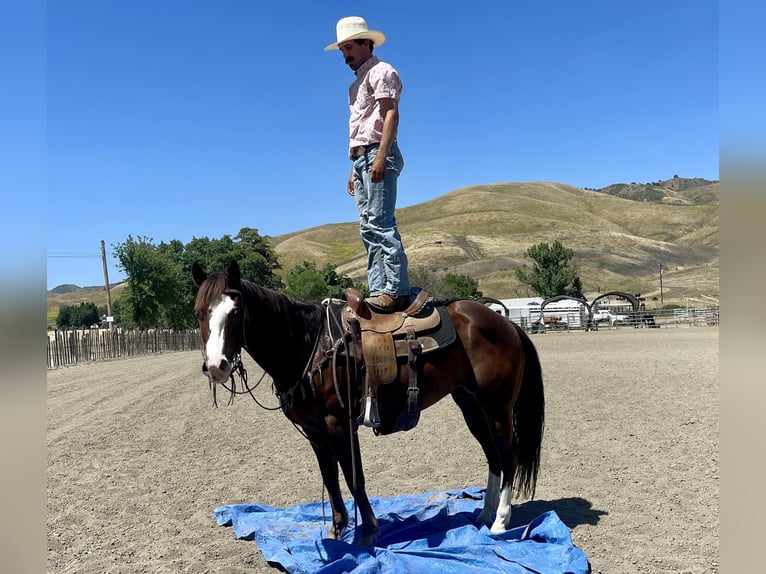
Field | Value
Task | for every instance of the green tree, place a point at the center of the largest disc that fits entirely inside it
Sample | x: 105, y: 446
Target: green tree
x: 306, y: 282
x: 552, y: 273
x: 160, y: 291
x: 426, y: 279
x: 335, y: 283
x: 83, y: 315
x: 87, y: 314
x: 446, y: 286
x: 460, y: 287
x: 154, y: 284
x: 64, y: 317
x: 257, y: 260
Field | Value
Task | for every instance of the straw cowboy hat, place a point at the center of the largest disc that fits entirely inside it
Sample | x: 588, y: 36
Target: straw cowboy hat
x: 355, y: 28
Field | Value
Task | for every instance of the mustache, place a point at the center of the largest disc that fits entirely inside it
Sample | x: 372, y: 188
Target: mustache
x: 348, y: 59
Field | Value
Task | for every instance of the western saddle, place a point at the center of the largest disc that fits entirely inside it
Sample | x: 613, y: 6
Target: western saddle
x: 384, y: 338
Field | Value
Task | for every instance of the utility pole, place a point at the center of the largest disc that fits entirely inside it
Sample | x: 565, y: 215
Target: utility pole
x: 109, y: 317
x: 662, y: 300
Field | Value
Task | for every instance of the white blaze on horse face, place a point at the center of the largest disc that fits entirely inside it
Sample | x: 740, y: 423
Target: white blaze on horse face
x: 214, y: 349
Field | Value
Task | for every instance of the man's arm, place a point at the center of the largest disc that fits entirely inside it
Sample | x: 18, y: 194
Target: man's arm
x: 389, y: 109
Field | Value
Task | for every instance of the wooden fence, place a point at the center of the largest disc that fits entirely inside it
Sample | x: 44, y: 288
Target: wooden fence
x: 74, y: 346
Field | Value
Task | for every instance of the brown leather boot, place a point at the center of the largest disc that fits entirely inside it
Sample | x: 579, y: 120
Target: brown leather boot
x: 388, y: 304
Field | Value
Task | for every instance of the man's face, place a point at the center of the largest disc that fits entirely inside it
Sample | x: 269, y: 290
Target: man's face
x: 355, y: 54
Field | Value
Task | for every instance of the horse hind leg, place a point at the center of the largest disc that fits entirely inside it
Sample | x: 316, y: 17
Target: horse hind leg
x: 478, y: 424
x: 503, y: 516
x: 491, y: 499
x: 505, y: 441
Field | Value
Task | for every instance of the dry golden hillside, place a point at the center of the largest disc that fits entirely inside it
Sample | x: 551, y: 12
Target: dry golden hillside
x: 483, y: 231
x: 619, y: 235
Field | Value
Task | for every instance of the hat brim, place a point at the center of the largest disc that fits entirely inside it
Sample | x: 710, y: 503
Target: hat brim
x: 377, y: 38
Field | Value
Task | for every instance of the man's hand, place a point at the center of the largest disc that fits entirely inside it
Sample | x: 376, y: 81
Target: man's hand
x: 378, y: 169
x: 350, y: 184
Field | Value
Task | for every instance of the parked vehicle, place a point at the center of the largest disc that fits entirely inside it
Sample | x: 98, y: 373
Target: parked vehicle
x: 621, y: 320
x: 602, y: 316
x: 606, y: 316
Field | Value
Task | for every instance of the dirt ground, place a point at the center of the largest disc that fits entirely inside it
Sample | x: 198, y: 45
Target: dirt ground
x: 138, y: 458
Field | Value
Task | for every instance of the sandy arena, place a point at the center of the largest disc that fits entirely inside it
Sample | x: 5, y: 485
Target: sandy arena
x: 138, y: 458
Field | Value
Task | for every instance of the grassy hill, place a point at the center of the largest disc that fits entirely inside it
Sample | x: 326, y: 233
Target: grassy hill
x: 68, y: 295
x: 619, y: 234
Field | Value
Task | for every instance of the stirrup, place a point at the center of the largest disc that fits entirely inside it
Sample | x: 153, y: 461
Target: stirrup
x: 369, y: 417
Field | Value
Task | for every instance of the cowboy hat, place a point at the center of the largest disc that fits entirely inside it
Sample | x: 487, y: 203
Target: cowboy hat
x: 355, y: 28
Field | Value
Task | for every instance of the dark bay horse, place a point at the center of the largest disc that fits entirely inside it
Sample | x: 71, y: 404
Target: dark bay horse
x: 492, y: 372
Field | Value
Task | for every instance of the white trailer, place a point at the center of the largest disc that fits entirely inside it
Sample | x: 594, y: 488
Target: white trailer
x: 568, y: 314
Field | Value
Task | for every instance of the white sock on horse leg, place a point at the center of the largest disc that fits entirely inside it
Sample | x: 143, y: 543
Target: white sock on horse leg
x: 491, y: 498
x: 503, y: 519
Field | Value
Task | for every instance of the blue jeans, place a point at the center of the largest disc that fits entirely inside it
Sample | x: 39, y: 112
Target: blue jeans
x: 386, y: 260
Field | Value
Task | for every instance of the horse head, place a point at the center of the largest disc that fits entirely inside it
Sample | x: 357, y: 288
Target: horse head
x: 218, y: 308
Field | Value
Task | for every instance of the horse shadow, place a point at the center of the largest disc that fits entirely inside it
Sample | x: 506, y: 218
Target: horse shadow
x: 573, y: 511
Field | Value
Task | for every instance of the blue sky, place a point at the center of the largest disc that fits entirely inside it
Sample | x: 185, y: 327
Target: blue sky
x: 178, y: 119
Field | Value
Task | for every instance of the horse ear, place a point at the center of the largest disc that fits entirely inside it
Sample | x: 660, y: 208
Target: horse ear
x: 234, y: 274
x: 198, y: 274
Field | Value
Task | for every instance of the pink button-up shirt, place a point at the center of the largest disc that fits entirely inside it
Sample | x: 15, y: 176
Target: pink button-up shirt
x: 374, y: 80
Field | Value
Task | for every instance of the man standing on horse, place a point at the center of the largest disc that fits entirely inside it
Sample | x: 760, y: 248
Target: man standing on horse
x: 376, y: 161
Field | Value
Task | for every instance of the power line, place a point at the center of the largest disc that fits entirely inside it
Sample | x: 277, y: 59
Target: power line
x: 84, y: 255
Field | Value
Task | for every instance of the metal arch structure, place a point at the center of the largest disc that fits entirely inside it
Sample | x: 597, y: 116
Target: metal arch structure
x: 489, y: 300
x: 540, y: 320
x: 590, y: 307
x: 632, y: 299
x: 627, y: 296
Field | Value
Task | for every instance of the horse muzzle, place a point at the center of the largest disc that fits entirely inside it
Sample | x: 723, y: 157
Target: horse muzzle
x: 217, y: 373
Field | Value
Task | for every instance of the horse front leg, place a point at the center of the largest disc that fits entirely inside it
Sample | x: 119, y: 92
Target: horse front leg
x: 346, y: 443
x: 328, y: 467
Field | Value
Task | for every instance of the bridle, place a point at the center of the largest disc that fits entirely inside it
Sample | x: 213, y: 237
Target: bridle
x: 285, y: 397
x: 237, y: 367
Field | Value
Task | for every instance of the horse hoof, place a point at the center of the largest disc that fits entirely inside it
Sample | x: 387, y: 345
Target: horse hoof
x: 485, y: 520
x: 336, y: 532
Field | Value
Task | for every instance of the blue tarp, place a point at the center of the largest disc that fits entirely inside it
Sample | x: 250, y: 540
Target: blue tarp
x: 433, y: 532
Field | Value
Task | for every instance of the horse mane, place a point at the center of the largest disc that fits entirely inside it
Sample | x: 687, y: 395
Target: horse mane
x: 300, y: 321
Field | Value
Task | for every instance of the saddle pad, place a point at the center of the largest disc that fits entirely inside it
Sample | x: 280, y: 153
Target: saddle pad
x: 445, y: 334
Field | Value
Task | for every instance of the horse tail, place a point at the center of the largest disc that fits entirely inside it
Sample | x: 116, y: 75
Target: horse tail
x: 529, y: 419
